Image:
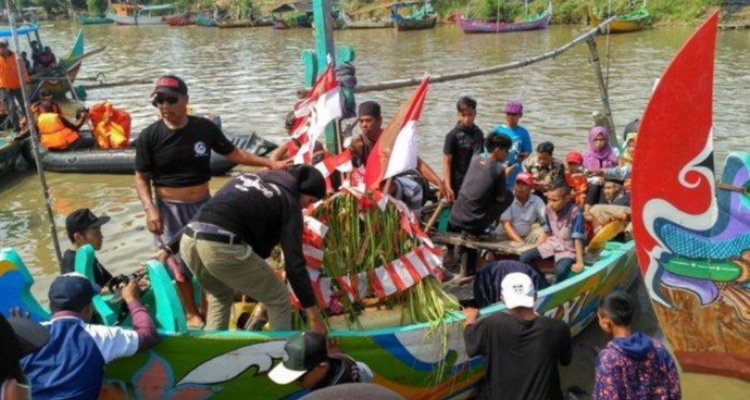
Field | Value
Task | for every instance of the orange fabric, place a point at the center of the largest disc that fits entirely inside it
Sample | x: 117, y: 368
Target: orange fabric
x: 53, y: 134
x: 111, y: 126
x: 9, y: 72
x: 578, y: 183
x: 36, y: 109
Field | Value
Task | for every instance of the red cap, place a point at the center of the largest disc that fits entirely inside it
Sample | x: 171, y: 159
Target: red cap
x: 574, y: 157
x: 526, y: 178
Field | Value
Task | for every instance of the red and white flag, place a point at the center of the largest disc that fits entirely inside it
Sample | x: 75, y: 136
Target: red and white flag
x: 396, y: 149
x: 341, y: 162
x: 321, y: 106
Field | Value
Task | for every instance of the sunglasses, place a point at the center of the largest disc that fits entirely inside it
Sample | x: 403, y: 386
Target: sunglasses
x: 160, y: 99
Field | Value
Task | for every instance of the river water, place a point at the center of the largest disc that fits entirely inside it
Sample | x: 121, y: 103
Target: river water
x: 250, y: 76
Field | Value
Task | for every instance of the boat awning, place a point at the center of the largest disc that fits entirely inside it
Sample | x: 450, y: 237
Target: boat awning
x: 21, y: 30
x: 408, y: 4
x: 157, y: 8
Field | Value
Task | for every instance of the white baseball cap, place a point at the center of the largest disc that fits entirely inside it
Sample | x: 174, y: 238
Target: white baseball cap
x: 518, y: 291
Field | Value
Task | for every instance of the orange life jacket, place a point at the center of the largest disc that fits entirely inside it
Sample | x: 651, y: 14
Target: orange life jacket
x: 53, y: 134
x: 111, y: 126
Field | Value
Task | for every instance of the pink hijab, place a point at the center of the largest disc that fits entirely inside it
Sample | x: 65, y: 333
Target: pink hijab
x: 594, y: 159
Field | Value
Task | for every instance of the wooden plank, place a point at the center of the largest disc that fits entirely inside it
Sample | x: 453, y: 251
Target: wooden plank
x: 488, y: 242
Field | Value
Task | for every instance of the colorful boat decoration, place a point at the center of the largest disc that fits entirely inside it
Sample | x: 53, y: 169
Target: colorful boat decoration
x: 228, y: 365
x: 93, y: 20
x: 135, y: 14
x: 632, y: 21
x: 693, y: 233
x: 535, y: 22
x: 421, y: 15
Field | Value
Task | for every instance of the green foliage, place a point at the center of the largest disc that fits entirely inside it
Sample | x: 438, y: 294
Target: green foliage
x: 96, y: 7
x: 49, y: 5
x: 499, y: 10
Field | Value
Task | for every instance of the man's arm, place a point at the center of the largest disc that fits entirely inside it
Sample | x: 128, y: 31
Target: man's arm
x: 242, y: 157
x: 579, y: 236
x: 143, y: 325
x: 511, y: 233
x: 475, y: 333
x: 447, y: 158
x: 428, y: 173
x: 154, y: 221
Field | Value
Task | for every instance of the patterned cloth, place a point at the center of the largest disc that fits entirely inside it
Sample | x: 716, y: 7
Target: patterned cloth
x: 636, y: 368
x: 550, y: 175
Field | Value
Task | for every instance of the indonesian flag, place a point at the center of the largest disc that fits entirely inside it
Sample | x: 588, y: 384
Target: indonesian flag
x: 396, y: 149
x: 314, y: 113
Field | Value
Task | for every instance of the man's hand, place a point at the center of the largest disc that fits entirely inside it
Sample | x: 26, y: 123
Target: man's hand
x: 162, y: 256
x: 17, y: 313
x: 316, y: 321
x: 281, y: 164
x: 130, y: 292
x: 627, y: 185
x: 154, y: 222
x: 577, y: 267
x: 541, y: 187
x: 447, y: 193
x: 596, y: 172
x: 472, y: 314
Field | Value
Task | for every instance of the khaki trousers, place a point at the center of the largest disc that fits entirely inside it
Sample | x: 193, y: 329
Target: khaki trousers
x: 222, y: 269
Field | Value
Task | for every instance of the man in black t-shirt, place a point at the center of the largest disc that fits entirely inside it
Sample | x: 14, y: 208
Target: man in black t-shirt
x: 84, y: 228
x: 462, y: 143
x: 522, y: 349
x: 174, y: 154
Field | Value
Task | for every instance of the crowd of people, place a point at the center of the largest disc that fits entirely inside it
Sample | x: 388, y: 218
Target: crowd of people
x: 495, y: 183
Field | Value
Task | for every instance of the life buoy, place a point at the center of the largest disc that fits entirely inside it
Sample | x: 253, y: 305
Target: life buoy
x: 111, y: 126
x: 53, y: 133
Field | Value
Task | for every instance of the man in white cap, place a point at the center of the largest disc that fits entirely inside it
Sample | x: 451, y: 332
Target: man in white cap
x: 522, y: 348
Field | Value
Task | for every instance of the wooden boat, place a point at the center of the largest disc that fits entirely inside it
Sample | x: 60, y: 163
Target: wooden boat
x: 692, y: 232
x: 9, y: 151
x: 245, y: 23
x: 122, y: 161
x: 633, y: 21
x: 93, y: 19
x: 407, y: 359
x: 182, y: 19
x: 423, y: 15
x: 134, y: 14
x: 372, y: 23
x: 204, y: 20
x: 535, y: 22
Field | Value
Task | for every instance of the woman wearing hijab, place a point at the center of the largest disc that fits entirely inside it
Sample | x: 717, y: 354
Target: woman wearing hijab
x: 598, y: 156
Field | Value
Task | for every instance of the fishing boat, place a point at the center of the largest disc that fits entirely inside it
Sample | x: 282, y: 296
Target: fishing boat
x: 411, y: 360
x: 529, y: 23
x: 632, y: 21
x: 420, y: 15
x: 9, y: 151
x: 122, y: 161
x: 693, y: 232
x: 204, y: 20
x: 372, y: 23
x: 135, y: 14
x: 93, y: 19
x: 181, y: 19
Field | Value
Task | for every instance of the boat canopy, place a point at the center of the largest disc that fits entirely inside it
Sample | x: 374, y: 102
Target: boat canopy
x: 26, y: 30
x: 408, y: 4
x: 156, y: 8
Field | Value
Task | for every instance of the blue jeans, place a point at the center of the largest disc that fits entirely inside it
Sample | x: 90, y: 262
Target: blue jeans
x: 562, y: 266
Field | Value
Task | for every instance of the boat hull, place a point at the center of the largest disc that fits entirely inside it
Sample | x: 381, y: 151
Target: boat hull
x: 135, y: 20
x: 88, y: 20
x: 59, y: 87
x: 473, y: 26
x: 9, y: 152
x: 410, y: 360
x: 368, y: 24
x: 692, y: 231
x: 620, y: 26
x: 408, y: 24
x: 122, y: 161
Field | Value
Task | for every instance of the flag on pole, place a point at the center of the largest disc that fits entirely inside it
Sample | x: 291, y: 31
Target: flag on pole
x: 321, y: 107
x: 396, y: 149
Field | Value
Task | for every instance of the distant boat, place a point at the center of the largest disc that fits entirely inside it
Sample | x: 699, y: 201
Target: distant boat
x: 633, y: 21
x: 204, y: 20
x: 134, y: 14
x: 423, y: 16
x: 372, y: 23
x: 535, y: 22
x: 181, y: 19
x: 93, y: 19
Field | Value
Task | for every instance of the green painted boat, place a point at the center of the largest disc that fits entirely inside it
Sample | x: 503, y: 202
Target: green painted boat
x: 93, y: 20
x: 632, y: 21
x: 414, y: 360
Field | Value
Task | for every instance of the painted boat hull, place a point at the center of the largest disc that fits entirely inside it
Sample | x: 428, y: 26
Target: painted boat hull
x: 122, y: 161
x: 368, y: 24
x: 135, y: 20
x: 203, y: 20
x: 59, y: 87
x: 9, y: 152
x: 692, y: 236
x: 408, y: 24
x: 178, y: 20
x: 408, y: 360
x: 620, y: 26
x: 474, y: 26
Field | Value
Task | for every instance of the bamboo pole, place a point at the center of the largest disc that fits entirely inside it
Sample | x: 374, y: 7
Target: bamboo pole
x: 119, y: 84
x: 591, y: 42
x: 415, y: 81
x: 34, y: 135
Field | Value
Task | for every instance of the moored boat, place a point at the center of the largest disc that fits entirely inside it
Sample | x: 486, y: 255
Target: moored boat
x: 692, y: 232
x: 134, y: 14
x: 9, y: 152
x: 530, y: 23
x: 421, y: 15
x: 93, y: 19
x: 182, y: 19
x: 368, y: 24
x: 632, y: 21
x: 204, y: 20
x: 410, y: 360
x: 122, y: 161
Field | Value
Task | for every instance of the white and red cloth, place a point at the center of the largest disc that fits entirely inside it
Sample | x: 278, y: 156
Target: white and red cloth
x: 321, y: 107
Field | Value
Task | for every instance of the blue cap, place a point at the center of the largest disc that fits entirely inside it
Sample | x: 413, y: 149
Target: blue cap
x: 71, y: 292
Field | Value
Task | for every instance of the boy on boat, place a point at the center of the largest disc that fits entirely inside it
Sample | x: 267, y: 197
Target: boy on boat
x: 547, y: 170
x: 576, y: 178
x: 522, y: 221
x: 174, y: 155
x: 483, y: 196
x: 522, y: 349
x: 289, y: 150
x: 462, y: 143
x: 632, y: 365
x: 308, y: 364
x: 563, y: 237
x: 521, y: 148
x: 84, y: 228
x: 71, y: 364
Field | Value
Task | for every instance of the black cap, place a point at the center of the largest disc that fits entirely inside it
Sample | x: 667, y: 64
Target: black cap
x: 71, y: 292
x: 303, y: 352
x: 82, y: 219
x: 311, y: 182
x: 170, y: 85
x: 545, y: 147
x: 370, y: 108
x: 44, y: 93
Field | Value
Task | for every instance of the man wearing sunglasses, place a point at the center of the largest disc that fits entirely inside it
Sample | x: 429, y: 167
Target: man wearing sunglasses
x: 174, y: 155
